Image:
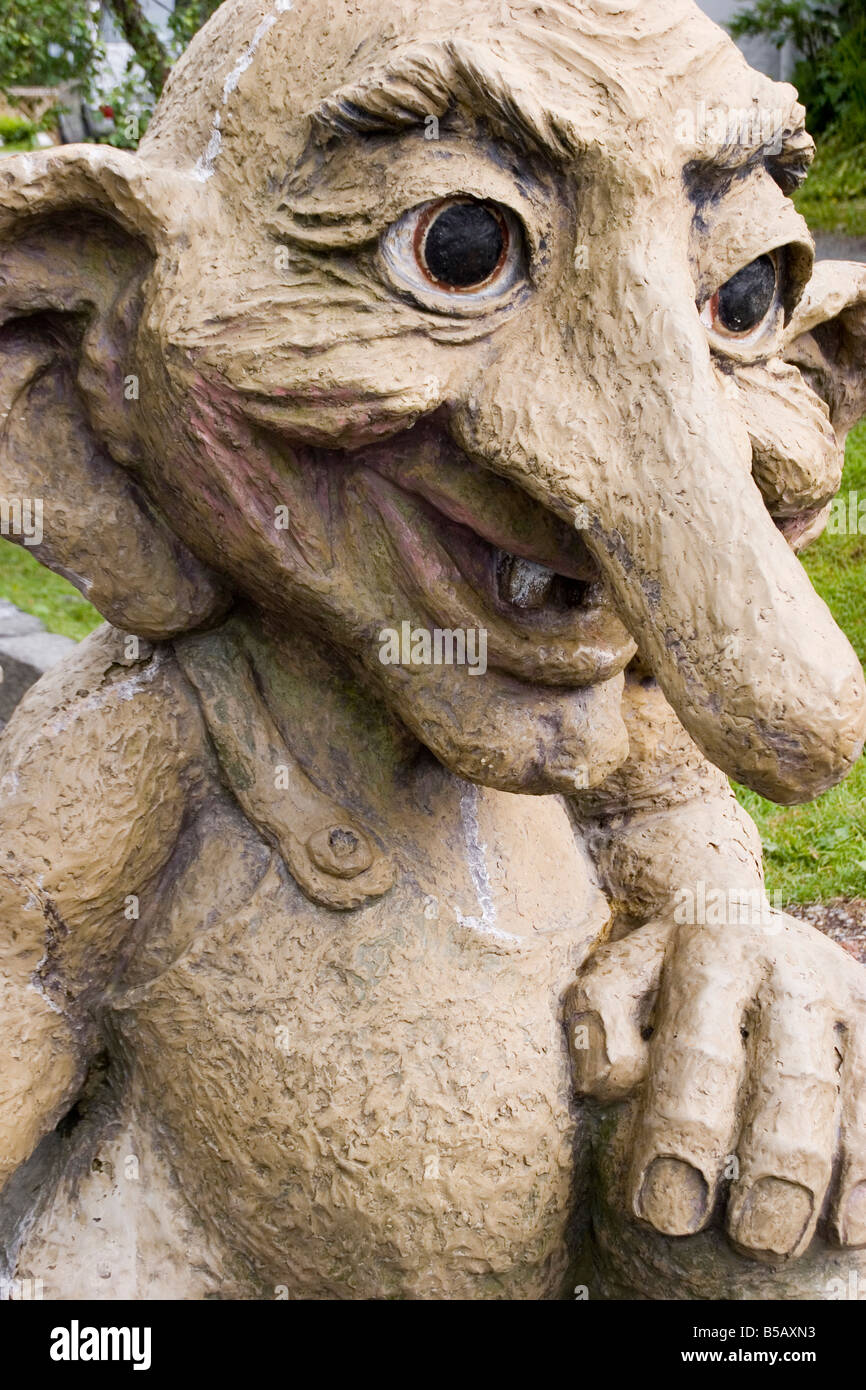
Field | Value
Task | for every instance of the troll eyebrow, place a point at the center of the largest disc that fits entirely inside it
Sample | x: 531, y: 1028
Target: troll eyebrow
x: 786, y: 155
x: 428, y: 79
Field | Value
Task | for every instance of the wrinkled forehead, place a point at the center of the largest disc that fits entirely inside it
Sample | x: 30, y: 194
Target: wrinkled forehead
x: 578, y: 72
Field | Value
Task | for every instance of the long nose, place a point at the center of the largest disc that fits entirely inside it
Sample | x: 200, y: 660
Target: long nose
x: 624, y: 429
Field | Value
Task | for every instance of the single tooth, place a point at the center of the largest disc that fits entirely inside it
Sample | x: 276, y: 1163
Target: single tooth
x: 523, y: 582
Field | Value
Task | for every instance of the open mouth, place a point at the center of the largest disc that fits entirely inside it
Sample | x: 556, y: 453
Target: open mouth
x: 480, y: 553
x: 533, y: 588
x: 523, y: 591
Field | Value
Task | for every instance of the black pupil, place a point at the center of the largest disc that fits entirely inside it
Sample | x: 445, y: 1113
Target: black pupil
x: 746, y: 298
x: 463, y: 245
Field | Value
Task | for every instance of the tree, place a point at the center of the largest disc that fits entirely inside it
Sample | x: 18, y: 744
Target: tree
x: 46, y: 42
x: 831, y: 37
x: 154, y: 57
x: 187, y: 18
x: 150, y: 52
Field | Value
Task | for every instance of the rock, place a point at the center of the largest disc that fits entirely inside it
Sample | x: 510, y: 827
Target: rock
x: 13, y: 622
x: 27, y: 650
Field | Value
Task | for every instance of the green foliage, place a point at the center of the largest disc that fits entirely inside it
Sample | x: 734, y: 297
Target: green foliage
x: 833, y: 89
x: 133, y: 99
x: 818, y: 851
x: 831, y: 80
x: 831, y: 74
x: 833, y: 198
x: 186, y: 19
x: 810, y: 25
x: 45, y: 42
x: 16, y: 128
x: 131, y: 102
x: 36, y: 590
x: 19, y: 134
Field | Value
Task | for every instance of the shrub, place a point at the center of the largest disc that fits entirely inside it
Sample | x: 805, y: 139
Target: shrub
x: 830, y: 36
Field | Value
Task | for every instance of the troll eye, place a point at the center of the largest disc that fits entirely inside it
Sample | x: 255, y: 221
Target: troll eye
x: 744, y: 302
x: 458, y: 248
x: 461, y: 244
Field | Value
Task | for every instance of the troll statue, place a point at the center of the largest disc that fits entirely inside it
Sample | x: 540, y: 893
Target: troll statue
x: 331, y: 976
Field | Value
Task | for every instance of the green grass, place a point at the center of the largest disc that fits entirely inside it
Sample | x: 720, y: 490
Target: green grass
x: 32, y: 587
x: 818, y: 851
x: 833, y: 198
x: 19, y: 135
x: 812, y: 852
x: 16, y: 128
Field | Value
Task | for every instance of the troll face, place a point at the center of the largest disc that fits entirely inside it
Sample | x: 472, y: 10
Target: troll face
x: 431, y: 317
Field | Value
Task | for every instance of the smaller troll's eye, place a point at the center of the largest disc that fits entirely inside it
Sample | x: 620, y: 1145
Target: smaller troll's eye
x: 461, y: 244
x: 744, y: 301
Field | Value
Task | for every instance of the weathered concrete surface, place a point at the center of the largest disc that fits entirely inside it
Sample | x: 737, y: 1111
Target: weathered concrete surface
x: 26, y: 651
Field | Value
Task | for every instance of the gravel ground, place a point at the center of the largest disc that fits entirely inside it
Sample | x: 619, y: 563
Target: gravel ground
x: 842, y: 919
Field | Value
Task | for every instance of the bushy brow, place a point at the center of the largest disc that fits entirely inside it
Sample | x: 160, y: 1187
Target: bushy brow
x: 428, y: 80
x: 786, y: 155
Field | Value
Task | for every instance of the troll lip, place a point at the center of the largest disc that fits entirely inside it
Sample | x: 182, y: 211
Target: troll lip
x: 571, y: 560
x: 425, y: 461
x: 455, y: 573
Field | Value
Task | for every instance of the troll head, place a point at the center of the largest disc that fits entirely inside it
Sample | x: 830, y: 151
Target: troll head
x: 464, y: 318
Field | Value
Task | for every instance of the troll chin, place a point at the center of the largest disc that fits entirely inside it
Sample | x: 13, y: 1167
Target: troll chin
x: 508, y: 734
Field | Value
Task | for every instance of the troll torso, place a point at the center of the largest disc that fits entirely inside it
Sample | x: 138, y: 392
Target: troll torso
x: 373, y: 1102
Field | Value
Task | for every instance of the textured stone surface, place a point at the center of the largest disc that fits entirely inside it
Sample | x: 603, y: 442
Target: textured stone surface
x: 264, y: 432
x: 27, y: 650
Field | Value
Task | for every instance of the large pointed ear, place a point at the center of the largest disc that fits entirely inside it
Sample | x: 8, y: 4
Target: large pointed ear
x: 80, y: 230
x: 827, y: 339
